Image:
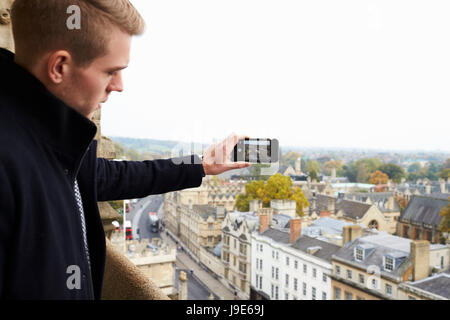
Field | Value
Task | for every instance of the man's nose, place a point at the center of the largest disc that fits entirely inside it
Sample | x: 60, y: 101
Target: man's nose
x: 116, y: 83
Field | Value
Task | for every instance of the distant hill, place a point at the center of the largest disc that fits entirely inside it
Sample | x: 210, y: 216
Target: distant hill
x: 146, y: 145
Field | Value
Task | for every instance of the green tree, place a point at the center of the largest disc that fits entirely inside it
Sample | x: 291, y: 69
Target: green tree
x: 289, y: 158
x: 395, y: 172
x: 447, y: 164
x: 444, y: 174
x: 242, y: 202
x: 415, y: 167
x: 312, y: 165
x: 313, y: 175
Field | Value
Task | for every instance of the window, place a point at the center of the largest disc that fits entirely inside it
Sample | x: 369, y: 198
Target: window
x: 234, y: 260
x: 286, y: 296
x: 276, y: 292
x: 273, y: 272
x: 442, y: 262
x: 260, y: 264
x: 338, y: 270
x: 276, y: 253
x: 388, y: 289
x: 287, y: 261
x: 314, y: 272
x: 287, y: 280
x: 261, y: 247
x: 388, y: 263
x: 359, y: 254
x: 260, y: 282
x: 348, y: 296
x: 337, y: 293
x: 324, y: 296
x: 349, y: 274
x: 272, y: 291
x: 295, y: 284
x: 276, y: 273
x: 234, y: 243
x: 257, y: 263
x: 374, y: 284
x: 273, y: 254
x: 305, y: 268
x: 304, y: 289
x: 313, y: 293
x: 210, y: 226
x: 324, y: 277
x: 296, y: 264
x: 361, y: 279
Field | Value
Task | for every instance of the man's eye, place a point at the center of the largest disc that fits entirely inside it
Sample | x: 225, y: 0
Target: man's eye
x: 112, y: 73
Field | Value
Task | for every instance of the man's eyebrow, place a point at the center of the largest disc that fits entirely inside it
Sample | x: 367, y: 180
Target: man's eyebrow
x: 117, y: 68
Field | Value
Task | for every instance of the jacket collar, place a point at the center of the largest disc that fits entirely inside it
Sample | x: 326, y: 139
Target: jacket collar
x: 55, y: 122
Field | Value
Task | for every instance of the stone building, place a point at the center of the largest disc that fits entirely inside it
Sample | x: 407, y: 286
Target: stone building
x: 236, y: 250
x: 421, y: 220
x: 373, y: 267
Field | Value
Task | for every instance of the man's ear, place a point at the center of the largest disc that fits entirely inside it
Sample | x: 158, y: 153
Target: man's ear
x: 58, y: 66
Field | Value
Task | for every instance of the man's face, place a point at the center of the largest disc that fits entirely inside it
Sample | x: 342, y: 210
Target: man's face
x: 90, y: 86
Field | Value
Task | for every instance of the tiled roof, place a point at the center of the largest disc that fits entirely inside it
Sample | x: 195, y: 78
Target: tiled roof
x: 438, y: 284
x: 327, y: 250
x: 353, y: 209
x: 425, y: 210
x: 277, y: 235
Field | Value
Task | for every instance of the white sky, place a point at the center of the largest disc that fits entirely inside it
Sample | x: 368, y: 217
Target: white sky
x: 321, y: 73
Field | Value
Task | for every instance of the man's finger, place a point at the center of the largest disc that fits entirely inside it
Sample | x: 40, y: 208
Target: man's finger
x: 238, y: 165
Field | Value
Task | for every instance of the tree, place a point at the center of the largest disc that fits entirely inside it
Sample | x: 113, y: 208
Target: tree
x: 444, y: 174
x: 329, y: 165
x: 445, y: 221
x: 277, y: 187
x: 313, y: 175
x: 447, y: 164
x: 312, y: 165
x: 395, y: 172
x: 362, y: 173
x: 289, y: 158
x: 242, y: 202
x: 378, y: 177
x: 415, y: 167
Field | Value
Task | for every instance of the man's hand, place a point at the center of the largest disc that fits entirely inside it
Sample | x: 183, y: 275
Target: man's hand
x: 217, y: 158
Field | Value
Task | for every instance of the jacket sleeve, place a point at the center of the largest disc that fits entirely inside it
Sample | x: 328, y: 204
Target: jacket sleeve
x: 117, y: 180
x: 6, y: 223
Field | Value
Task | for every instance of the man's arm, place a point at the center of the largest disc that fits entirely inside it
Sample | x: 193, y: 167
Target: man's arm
x: 118, y: 180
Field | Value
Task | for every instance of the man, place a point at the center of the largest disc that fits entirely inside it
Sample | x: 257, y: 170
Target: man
x: 50, y: 177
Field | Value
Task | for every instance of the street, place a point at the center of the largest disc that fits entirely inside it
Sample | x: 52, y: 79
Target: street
x: 139, y: 218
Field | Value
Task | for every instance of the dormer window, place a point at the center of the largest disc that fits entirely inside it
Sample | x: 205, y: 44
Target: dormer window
x: 388, y: 263
x: 359, y: 254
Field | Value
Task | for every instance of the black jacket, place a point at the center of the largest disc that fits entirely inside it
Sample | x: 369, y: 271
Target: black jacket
x: 44, y: 146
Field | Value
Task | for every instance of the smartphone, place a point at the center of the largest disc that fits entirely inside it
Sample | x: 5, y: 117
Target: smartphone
x: 256, y: 151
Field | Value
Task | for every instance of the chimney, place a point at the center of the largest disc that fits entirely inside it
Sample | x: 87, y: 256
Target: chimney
x: 420, y: 259
x: 263, y: 223
x: 183, y: 290
x: 313, y: 250
x: 255, y: 205
x: 442, y: 183
x: 298, y: 168
x: 296, y: 229
x: 350, y: 233
x: 220, y: 212
x: 325, y: 214
x: 428, y: 188
x: 390, y: 204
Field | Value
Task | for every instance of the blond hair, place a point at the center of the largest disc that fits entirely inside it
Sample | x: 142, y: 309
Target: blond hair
x: 40, y: 26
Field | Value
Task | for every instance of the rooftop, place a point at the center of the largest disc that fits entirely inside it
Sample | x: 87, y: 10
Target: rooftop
x: 438, y: 284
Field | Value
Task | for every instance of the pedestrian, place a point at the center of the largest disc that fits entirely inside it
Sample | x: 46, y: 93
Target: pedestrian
x: 52, y: 242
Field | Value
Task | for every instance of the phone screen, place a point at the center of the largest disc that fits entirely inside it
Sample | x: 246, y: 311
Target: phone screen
x: 256, y: 151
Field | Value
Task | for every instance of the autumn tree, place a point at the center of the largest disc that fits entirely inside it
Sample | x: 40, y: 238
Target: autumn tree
x: 329, y: 165
x: 378, y: 177
x: 277, y: 187
x: 445, y: 220
x: 289, y: 158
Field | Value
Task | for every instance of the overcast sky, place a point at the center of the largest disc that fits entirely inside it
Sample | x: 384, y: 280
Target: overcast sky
x: 322, y: 73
